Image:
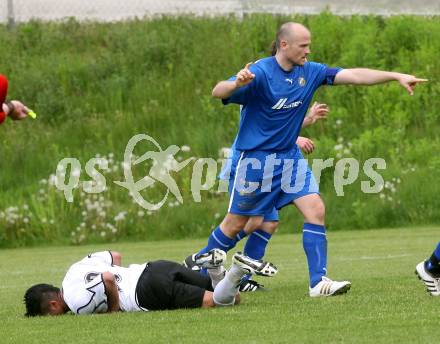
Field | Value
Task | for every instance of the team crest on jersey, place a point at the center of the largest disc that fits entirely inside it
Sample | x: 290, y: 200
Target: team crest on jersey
x: 301, y: 81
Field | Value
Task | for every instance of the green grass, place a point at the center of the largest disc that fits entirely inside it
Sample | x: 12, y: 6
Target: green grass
x: 387, y: 304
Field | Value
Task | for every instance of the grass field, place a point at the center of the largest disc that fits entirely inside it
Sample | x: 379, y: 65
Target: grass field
x: 387, y: 304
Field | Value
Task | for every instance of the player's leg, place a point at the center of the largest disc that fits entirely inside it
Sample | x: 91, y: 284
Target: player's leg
x: 246, y: 208
x: 255, y: 247
x: 433, y: 263
x: 302, y: 190
x: 224, y: 236
x: 184, y: 275
x: 154, y: 287
x: 168, y: 285
x: 429, y: 272
x: 208, y: 299
x: 314, y: 235
x: 187, y: 288
x: 215, y: 269
x: 315, y: 246
x: 226, y: 291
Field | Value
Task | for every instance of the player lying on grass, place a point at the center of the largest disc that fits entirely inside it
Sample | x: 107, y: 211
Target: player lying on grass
x: 14, y: 109
x: 99, y: 284
x: 429, y: 272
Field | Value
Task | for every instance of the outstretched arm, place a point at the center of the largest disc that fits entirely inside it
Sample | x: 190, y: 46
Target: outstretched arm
x: 365, y: 76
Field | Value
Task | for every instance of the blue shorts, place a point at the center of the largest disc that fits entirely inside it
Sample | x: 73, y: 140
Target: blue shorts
x: 225, y: 173
x: 262, y: 182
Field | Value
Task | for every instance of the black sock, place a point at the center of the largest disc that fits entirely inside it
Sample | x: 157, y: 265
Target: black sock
x: 433, y: 266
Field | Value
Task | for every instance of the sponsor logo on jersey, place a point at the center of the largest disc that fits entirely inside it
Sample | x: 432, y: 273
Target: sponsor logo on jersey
x: 281, y: 104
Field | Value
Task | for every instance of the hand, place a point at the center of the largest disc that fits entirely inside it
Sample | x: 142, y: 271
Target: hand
x: 306, y: 145
x: 244, y: 76
x: 317, y: 112
x: 409, y: 82
x: 18, y: 112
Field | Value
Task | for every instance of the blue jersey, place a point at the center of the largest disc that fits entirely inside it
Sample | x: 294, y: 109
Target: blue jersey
x: 275, y: 102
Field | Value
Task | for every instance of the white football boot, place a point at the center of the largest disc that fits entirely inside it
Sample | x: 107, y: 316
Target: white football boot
x: 253, y: 266
x: 209, y: 260
x: 432, y: 283
x: 327, y: 287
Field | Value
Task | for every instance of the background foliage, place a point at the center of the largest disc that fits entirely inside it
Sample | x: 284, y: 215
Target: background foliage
x: 96, y: 85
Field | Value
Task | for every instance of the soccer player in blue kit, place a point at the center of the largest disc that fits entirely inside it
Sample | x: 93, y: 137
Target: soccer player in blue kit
x: 270, y: 171
x: 257, y: 241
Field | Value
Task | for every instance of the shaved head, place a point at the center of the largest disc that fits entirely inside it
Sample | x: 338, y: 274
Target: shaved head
x: 292, y: 45
x: 289, y: 31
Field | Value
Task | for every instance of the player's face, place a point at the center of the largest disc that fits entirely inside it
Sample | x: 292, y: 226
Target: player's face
x: 298, y: 48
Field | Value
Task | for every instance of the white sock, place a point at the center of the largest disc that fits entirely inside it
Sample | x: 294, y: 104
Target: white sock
x: 216, y: 274
x: 227, y: 288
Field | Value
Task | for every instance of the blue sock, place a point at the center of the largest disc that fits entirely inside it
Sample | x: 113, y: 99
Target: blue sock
x: 437, y: 251
x: 315, y: 247
x: 240, y: 236
x: 433, y: 263
x: 218, y: 239
x: 256, y: 246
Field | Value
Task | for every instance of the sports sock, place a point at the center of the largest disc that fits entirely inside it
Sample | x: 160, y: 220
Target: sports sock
x: 227, y: 288
x: 218, y: 239
x: 255, y: 247
x: 216, y: 274
x: 256, y: 244
x: 315, y: 247
x: 241, y: 235
x: 433, y: 263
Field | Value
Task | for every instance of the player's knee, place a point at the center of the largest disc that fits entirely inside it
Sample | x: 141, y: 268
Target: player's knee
x: 208, y: 299
x: 269, y: 226
x: 254, y: 222
x: 316, y: 212
x: 320, y: 210
x: 233, y: 223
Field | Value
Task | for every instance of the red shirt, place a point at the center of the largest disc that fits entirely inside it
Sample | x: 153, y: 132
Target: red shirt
x: 3, y: 93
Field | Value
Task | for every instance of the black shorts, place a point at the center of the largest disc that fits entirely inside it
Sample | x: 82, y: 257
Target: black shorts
x: 169, y: 285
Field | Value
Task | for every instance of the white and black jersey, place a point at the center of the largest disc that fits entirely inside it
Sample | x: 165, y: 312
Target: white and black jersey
x: 83, y: 287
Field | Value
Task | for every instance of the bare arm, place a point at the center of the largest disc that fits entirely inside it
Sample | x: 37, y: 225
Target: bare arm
x: 116, y: 257
x: 365, y: 76
x: 111, y: 290
x: 225, y: 89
